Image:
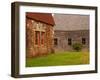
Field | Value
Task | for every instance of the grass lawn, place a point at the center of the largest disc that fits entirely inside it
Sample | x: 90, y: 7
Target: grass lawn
x: 58, y: 59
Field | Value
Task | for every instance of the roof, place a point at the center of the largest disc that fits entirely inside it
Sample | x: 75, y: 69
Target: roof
x: 70, y: 22
x: 42, y: 17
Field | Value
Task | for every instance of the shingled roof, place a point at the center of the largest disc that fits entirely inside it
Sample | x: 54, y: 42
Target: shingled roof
x: 42, y: 17
x: 70, y: 22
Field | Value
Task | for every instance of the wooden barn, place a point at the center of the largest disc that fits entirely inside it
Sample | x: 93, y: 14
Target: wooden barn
x: 39, y: 34
x: 70, y: 29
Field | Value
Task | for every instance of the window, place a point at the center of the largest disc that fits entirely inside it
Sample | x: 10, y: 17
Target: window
x: 37, y: 37
x: 83, y: 41
x: 42, y: 37
x: 55, y: 41
x: 69, y: 41
x: 39, y: 34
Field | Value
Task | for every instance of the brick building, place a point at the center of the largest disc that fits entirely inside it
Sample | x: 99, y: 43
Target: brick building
x: 39, y: 34
x: 70, y: 29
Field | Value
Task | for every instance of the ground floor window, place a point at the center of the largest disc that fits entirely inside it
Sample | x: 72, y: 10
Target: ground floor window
x: 84, y: 41
x: 39, y: 37
x: 42, y: 37
x: 69, y: 41
x: 55, y: 41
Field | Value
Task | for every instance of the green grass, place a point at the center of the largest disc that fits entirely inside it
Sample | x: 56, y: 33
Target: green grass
x: 58, y: 59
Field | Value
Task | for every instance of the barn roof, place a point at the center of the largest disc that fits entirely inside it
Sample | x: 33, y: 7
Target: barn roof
x: 70, y: 22
x: 42, y: 17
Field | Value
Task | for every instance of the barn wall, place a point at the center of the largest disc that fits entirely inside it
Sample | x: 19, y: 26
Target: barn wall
x: 76, y: 36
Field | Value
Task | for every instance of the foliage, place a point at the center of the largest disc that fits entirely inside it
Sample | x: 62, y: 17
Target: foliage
x: 77, y: 46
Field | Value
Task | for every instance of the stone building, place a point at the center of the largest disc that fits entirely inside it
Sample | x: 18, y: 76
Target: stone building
x: 39, y: 34
x: 70, y: 29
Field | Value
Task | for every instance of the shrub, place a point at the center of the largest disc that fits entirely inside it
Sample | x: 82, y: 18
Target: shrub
x: 77, y: 46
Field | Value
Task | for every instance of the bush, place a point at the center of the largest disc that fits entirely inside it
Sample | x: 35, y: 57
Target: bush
x: 77, y: 46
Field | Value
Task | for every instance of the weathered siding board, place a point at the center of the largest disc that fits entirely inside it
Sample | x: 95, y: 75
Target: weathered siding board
x: 76, y: 37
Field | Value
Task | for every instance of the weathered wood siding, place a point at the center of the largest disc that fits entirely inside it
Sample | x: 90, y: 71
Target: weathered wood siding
x: 76, y: 36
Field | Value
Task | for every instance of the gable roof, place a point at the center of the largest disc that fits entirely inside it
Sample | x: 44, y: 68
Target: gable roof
x: 42, y: 17
x: 70, y: 22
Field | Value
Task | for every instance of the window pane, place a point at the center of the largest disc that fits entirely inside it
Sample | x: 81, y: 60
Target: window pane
x: 83, y: 41
x: 42, y: 37
x: 37, y: 37
x: 69, y: 41
x: 55, y: 41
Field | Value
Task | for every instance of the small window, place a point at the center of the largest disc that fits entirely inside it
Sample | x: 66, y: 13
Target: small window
x: 55, y: 41
x: 83, y: 41
x: 37, y: 37
x: 69, y: 41
x: 42, y: 37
